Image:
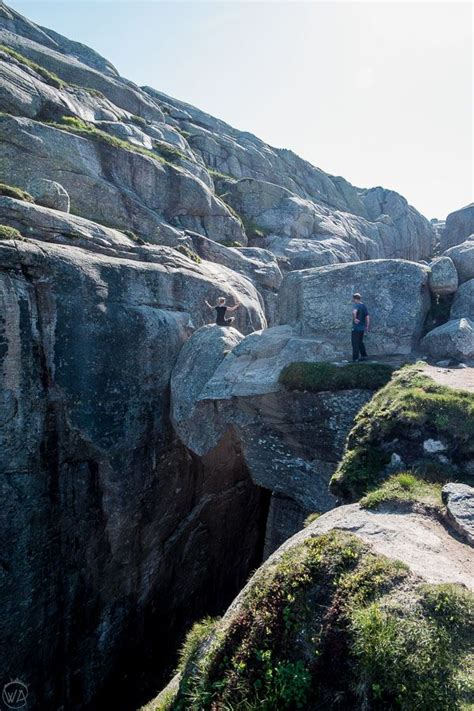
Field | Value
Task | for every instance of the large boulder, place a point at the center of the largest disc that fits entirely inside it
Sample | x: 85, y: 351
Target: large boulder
x: 443, y: 276
x: 459, y: 225
x: 463, y: 258
x: 49, y: 194
x: 463, y: 302
x: 454, y: 339
x: 318, y: 303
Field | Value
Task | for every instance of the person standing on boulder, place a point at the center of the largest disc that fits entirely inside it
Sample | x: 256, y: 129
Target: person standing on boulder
x: 221, y: 309
x: 360, y: 325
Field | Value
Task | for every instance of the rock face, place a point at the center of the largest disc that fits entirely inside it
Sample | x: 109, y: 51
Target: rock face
x: 454, y: 339
x: 459, y: 225
x: 92, y: 535
x: 116, y: 524
x: 49, y: 194
x: 463, y: 257
x: 443, y: 276
x: 396, y: 294
x: 459, y: 501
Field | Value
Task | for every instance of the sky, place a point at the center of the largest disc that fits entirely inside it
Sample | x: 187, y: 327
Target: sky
x: 378, y: 92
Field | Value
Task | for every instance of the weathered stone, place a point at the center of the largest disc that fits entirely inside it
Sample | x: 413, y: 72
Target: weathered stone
x: 463, y: 258
x: 463, y: 302
x: 108, y: 525
x: 443, y: 276
x: 459, y: 225
x: 138, y: 192
x: 454, y: 339
x: 49, y: 194
x: 459, y: 502
x: 395, y: 292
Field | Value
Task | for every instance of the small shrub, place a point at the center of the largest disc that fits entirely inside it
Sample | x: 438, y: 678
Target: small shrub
x: 189, y: 253
x: 14, y: 192
x: 138, y: 120
x: 409, y: 659
x: 317, y: 377
x: 198, y: 633
x: 220, y: 176
x: 311, y: 518
x: 9, y: 233
x: 132, y: 235
x: 49, y: 77
x: 168, y: 152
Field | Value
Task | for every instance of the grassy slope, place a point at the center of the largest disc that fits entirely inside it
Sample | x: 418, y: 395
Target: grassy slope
x: 409, y: 403
x: 324, y: 628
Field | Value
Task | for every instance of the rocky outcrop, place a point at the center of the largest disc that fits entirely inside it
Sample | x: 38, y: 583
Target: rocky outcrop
x: 413, y: 424
x: 395, y: 292
x: 290, y: 441
x: 463, y: 257
x: 459, y: 225
x: 137, y: 192
x: 459, y: 501
x: 333, y: 608
x: 94, y: 544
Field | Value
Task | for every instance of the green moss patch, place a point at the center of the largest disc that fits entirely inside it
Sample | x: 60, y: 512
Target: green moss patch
x: 9, y: 233
x: 326, y: 628
x: 49, y: 77
x: 403, y: 487
x: 317, y: 377
x: 410, y: 409
x: 14, y: 192
x: 88, y: 130
x: 189, y: 253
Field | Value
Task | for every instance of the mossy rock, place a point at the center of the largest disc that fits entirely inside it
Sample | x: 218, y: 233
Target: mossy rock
x: 325, y: 627
x: 318, y: 377
x: 409, y: 412
x: 14, y: 192
x: 7, y: 232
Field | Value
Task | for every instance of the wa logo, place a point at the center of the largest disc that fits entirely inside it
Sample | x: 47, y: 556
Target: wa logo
x: 15, y: 694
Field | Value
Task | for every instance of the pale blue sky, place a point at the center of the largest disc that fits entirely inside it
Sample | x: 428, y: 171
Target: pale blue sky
x: 380, y: 93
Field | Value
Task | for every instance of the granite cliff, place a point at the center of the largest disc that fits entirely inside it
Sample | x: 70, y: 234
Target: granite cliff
x: 150, y: 461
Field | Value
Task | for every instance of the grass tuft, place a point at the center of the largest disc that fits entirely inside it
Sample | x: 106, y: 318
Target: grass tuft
x: 189, y: 253
x: 199, y: 633
x: 317, y: 377
x: 14, y: 192
x: 405, y: 486
x: 7, y: 232
x: 49, y: 77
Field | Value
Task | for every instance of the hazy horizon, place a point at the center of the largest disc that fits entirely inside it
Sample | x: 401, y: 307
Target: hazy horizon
x: 380, y: 93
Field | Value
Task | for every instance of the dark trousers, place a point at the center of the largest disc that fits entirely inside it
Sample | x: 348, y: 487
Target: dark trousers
x: 358, y: 347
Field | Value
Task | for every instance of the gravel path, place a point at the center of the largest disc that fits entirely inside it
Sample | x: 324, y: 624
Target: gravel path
x: 459, y: 378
